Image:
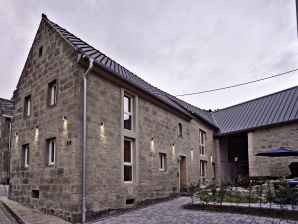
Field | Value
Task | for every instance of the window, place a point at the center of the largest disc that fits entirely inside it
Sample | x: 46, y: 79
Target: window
x: 180, y: 129
x: 128, y: 161
x: 128, y: 112
x: 202, y: 136
x: 25, y: 156
x: 27, y: 106
x: 214, y: 171
x: 203, y: 169
x: 162, y: 162
x: 52, y: 93
x: 51, y: 151
x: 40, y: 51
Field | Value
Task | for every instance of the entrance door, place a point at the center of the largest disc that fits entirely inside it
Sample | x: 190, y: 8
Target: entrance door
x: 182, y: 171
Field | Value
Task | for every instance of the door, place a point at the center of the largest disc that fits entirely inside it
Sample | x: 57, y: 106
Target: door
x: 182, y: 171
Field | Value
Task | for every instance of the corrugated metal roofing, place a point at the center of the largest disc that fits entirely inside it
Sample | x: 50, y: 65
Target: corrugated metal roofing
x: 113, y: 67
x: 6, y: 107
x: 267, y: 110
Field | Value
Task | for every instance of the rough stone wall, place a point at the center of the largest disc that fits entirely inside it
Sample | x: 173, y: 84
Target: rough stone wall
x: 106, y: 189
x: 272, y: 138
x: 59, y: 185
x: 4, y: 142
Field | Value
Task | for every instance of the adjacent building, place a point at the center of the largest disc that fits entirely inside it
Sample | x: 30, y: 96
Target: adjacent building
x: 6, y: 113
x: 90, y: 137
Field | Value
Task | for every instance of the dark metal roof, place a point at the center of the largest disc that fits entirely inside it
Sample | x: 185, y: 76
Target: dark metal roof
x: 272, y: 109
x: 119, y: 71
x: 6, y: 107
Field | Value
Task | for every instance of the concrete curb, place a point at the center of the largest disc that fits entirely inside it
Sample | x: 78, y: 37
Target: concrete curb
x: 18, y: 219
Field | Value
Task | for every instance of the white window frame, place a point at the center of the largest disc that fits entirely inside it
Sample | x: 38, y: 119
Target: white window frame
x: 51, y: 142
x: 127, y: 112
x: 26, y: 156
x: 202, y: 145
x: 162, y: 162
x: 53, y: 94
x: 203, y: 176
x: 128, y: 163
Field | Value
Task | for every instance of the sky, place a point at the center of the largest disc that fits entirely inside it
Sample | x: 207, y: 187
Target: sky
x: 179, y: 46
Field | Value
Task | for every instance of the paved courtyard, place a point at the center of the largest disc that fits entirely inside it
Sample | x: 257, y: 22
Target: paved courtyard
x: 170, y: 212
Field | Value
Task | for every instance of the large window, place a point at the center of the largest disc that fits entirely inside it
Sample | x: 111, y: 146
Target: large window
x: 27, y: 106
x: 202, y: 138
x: 25, y: 156
x: 162, y: 162
x: 51, y: 151
x: 203, y: 171
x: 128, y: 161
x: 128, y: 112
x: 52, y: 93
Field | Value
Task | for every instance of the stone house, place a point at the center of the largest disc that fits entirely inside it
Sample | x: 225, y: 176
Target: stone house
x: 90, y: 137
x: 6, y: 113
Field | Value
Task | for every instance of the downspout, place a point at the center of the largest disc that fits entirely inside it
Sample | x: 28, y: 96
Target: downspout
x: 9, y: 144
x: 84, y: 209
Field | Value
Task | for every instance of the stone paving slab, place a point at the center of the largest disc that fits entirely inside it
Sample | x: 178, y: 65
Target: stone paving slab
x: 170, y: 212
x: 33, y: 216
x: 5, y: 216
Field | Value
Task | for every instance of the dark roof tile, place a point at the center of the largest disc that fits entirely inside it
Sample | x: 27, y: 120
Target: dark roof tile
x: 6, y: 107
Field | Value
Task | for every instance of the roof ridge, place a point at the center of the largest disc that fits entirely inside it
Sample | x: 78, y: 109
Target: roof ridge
x: 270, y: 94
x: 5, y: 99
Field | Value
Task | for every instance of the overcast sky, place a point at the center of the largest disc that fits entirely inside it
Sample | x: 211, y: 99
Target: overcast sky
x: 178, y: 46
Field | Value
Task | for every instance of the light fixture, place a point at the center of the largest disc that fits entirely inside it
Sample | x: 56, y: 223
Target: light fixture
x: 17, y: 134
x: 36, y: 126
x: 101, y: 124
x: 152, y: 139
x: 64, y: 118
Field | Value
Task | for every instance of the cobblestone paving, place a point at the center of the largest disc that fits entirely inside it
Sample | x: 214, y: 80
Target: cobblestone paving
x: 5, y: 216
x: 171, y: 213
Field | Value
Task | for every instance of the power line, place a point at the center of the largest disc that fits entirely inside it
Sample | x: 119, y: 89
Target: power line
x: 241, y: 84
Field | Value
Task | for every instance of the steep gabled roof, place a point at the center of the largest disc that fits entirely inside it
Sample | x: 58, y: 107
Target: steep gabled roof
x: 120, y: 72
x: 6, y: 107
x: 272, y: 109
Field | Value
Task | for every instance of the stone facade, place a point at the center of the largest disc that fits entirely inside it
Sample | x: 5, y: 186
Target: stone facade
x: 56, y: 189
x: 4, y: 149
x: 284, y: 135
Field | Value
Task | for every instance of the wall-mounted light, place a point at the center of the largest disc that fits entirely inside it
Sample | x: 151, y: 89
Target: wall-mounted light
x: 102, y: 124
x: 64, y: 118
x: 152, y: 139
x: 16, y: 134
x: 211, y: 158
x: 36, y: 127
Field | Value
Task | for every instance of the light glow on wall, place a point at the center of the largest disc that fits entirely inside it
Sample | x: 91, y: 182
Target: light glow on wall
x: 102, y: 135
x: 174, y: 151
x: 36, y: 136
x: 191, y: 153
x: 152, y: 146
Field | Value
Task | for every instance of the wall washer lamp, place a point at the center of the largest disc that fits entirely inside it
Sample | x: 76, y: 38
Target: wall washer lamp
x: 64, y: 118
x: 17, y: 134
x: 36, y: 126
x: 101, y: 124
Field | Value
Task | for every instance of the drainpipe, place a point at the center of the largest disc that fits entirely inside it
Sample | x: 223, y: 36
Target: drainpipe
x: 84, y: 209
x: 9, y: 143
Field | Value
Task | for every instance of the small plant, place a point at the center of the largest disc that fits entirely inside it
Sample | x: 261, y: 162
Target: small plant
x: 194, y: 188
x: 250, y: 195
x: 222, y: 193
x: 282, y: 193
x: 213, y: 192
x: 259, y: 191
x: 269, y: 195
x: 204, y: 196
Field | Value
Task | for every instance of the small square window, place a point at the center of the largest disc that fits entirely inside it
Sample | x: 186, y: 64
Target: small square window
x: 162, y: 162
x: 51, y: 152
x: 27, y: 106
x: 25, y: 156
x: 52, y: 93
